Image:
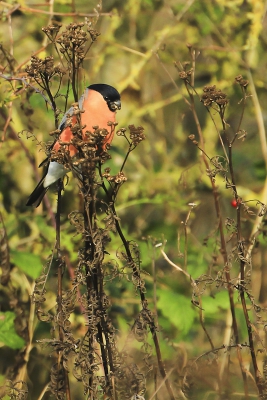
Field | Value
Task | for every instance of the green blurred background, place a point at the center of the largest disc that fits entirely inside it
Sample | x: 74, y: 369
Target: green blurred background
x: 140, y: 42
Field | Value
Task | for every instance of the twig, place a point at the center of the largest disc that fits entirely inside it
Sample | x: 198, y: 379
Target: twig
x: 67, y: 14
x: 262, y: 134
x: 241, y: 255
x: 175, y: 265
x: 60, y: 269
x: 26, y: 83
x: 222, y: 238
x: 143, y: 300
x: 161, y: 384
x: 201, y: 318
x: 223, y: 347
x: 259, y: 118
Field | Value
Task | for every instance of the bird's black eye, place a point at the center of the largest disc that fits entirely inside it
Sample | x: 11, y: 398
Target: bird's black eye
x: 106, y: 98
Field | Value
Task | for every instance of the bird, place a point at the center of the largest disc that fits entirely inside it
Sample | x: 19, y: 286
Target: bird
x: 99, y: 103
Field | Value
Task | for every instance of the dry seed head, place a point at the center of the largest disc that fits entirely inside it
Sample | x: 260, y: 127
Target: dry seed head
x: 212, y: 95
x: 136, y: 134
x: 120, y: 178
x: 107, y: 175
x: 110, y: 123
x: 238, y: 78
x: 55, y: 132
x: 52, y: 28
x: 43, y: 68
x: 209, y: 88
x: 242, y: 82
x: 74, y: 38
x: 183, y: 75
x: 103, y: 132
x: 93, y: 34
x: 192, y: 138
x: 121, y: 132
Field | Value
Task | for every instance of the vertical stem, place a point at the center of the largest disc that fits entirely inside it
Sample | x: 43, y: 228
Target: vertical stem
x: 152, y: 325
x: 241, y: 254
x: 136, y: 274
x: 154, y: 284
x: 94, y: 275
x: 223, y: 243
x: 59, y: 289
x: 87, y: 257
x: 74, y: 77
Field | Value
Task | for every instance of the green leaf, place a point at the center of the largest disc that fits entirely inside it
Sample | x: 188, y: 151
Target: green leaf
x: 212, y: 305
x: 29, y: 263
x: 8, y: 335
x: 47, y: 231
x: 177, y: 308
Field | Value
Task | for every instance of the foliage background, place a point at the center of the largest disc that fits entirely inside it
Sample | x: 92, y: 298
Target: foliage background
x: 139, y: 43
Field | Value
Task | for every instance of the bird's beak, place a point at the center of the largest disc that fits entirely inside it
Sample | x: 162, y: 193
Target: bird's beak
x: 116, y: 105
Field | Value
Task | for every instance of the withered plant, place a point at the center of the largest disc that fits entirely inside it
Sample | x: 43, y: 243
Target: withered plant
x: 233, y: 247
x: 94, y: 359
x: 78, y: 330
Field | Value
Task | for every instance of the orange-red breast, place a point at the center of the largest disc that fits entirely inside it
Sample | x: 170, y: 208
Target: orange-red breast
x: 100, y: 103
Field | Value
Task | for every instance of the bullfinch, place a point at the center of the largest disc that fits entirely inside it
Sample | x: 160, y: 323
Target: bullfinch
x: 99, y: 104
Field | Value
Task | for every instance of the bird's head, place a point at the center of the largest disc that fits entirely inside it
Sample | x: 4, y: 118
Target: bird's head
x: 110, y: 95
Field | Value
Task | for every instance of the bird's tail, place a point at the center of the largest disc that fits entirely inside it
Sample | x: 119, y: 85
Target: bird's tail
x: 37, y: 195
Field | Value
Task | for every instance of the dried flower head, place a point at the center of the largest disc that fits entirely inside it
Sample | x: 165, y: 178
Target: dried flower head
x: 242, y: 82
x: 213, y: 95
x: 43, y: 70
x: 121, y: 132
x: 73, y: 41
x: 192, y: 138
x: 119, y: 178
x: 186, y: 75
x: 136, y: 134
x: 52, y: 30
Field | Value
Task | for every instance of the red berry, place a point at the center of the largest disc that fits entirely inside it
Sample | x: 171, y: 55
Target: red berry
x: 234, y: 203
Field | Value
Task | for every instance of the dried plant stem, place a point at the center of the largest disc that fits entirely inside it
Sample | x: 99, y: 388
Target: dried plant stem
x: 222, y: 239
x: 152, y: 325
x: 60, y: 271
x: 52, y: 100
x: 51, y: 8
x: 45, y: 389
x: 185, y: 224
x: 154, y: 395
x: 21, y: 377
x: 154, y: 272
x: 223, y: 347
x: 241, y: 249
x: 7, y: 123
x: 201, y: 318
x: 226, y: 340
x: 259, y: 117
x: 74, y: 78
x: 175, y: 265
x: 94, y: 279
x: 67, y: 14
x: 241, y: 254
x: 88, y: 256
x: 262, y: 135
